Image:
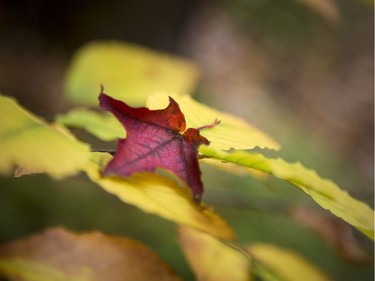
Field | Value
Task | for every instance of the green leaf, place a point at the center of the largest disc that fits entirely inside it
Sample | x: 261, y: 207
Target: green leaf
x: 128, y: 72
x: 100, y: 124
x: 235, y: 134
x: 285, y: 264
x: 27, y: 141
x: 59, y: 255
x: 325, y: 192
x: 159, y: 195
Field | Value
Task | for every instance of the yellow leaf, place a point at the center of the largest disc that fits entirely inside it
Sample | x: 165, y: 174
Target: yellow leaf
x: 238, y: 135
x: 27, y: 141
x: 59, y: 255
x: 211, y: 259
x: 232, y: 132
x: 159, y: 195
x: 325, y: 192
x: 128, y: 72
x: 285, y: 264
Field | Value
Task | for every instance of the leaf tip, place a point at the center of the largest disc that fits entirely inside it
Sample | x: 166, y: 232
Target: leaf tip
x: 104, y: 99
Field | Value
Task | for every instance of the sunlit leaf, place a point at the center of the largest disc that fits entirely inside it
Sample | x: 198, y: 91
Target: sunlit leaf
x: 232, y: 132
x: 100, y: 124
x: 285, y: 264
x: 325, y: 192
x: 128, y: 72
x: 211, y: 259
x: 59, y: 255
x: 159, y: 195
x: 155, y: 139
x: 28, y: 142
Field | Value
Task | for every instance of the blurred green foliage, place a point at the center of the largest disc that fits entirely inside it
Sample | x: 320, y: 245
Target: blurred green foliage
x: 257, y: 210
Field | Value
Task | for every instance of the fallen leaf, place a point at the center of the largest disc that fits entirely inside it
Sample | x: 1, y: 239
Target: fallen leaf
x: 58, y: 255
x: 159, y: 195
x: 226, y: 147
x: 232, y: 133
x: 156, y: 139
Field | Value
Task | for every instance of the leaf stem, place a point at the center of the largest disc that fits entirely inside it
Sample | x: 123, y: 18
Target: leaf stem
x: 209, y: 126
x: 110, y: 151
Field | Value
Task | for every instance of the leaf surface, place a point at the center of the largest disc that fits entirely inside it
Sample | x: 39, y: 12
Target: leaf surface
x: 100, y: 124
x: 285, y: 264
x: 58, y: 255
x: 231, y: 133
x: 323, y: 191
x: 234, y: 138
x: 155, y: 138
x: 211, y: 259
x: 27, y: 141
x: 129, y: 72
x: 159, y: 195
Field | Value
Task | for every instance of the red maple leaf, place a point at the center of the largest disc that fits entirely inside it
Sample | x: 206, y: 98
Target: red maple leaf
x: 156, y: 138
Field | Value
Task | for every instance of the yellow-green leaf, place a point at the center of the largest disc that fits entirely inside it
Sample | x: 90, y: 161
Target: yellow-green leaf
x: 128, y: 72
x: 232, y: 132
x: 325, y: 192
x: 59, y: 255
x: 27, y: 141
x: 100, y: 124
x: 159, y: 195
x: 211, y: 259
x: 286, y: 264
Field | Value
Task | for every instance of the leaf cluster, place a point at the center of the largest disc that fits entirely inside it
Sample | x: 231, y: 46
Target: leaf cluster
x: 29, y: 144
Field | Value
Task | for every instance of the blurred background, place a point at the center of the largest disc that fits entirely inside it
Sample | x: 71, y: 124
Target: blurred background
x: 301, y: 70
